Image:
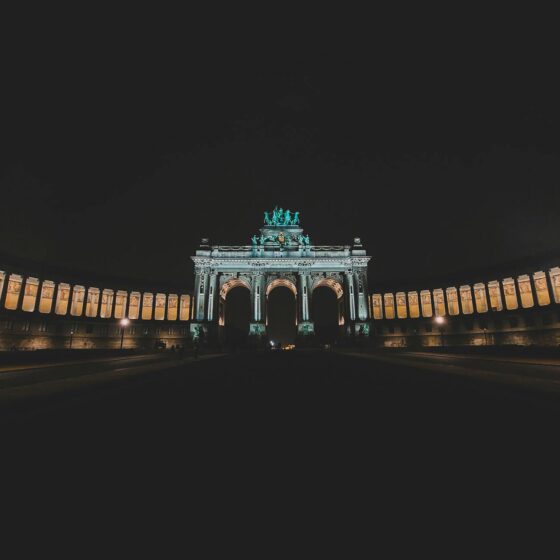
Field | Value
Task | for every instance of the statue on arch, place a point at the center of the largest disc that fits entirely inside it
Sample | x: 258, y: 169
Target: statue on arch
x: 266, y: 219
x: 295, y: 219
x: 275, y: 217
x: 280, y: 217
x: 288, y: 218
x: 254, y: 240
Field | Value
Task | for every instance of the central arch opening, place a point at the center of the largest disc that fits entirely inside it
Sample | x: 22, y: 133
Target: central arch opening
x: 325, y: 314
x: 235, y: 313
x: 281, y: 314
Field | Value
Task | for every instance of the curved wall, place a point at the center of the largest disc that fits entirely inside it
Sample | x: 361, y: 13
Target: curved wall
x: 520, y: 311
x: 41, y: 313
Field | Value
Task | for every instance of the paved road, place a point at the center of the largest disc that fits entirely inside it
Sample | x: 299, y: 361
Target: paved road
x: 290, y: 428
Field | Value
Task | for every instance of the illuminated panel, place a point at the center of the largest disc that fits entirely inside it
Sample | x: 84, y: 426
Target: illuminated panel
x: 439, y: 302
x: 480, y: 299
x: 495, y: 296
x: 13, y: 291
x: 30, y: 294
x: 466, y: 300
x: 426, y: 302
x: 555, y: 281
x: 185, y: 307
x: 541, y: 288
x: 172, y: 301
x: 92, y: 303
x: 120, y: 304
x: 107, y: 297
x: 147, y: 305
x: 2, y: 277
x: 413, y: 305
x: 134, y: 305
x: 509, y: 293
x: 160, y: 307
x: 78, y: 296
x: 452, y: 301
x: 525, y: 292
x: 47, y: 295
x: 61, y: 306
x: 389, y: 304
x: 401, y: 305
x: 377, y: 306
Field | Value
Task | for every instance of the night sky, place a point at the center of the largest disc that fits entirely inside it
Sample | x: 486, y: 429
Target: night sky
x: 120, y: 152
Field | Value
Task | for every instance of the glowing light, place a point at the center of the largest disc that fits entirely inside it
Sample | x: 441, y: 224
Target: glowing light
x: 124, y: 322
x: 439, y: 320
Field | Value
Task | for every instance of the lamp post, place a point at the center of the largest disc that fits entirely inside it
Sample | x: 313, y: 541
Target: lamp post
x: 123, y: 323
x: 440, y: 321
x: 71, y: 336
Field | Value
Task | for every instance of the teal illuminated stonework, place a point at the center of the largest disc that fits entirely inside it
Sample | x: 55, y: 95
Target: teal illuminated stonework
x: 281, y: 217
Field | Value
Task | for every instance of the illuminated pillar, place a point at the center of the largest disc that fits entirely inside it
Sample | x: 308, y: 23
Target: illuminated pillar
x: 525, y: 291
x: 212, y: 293
x: 400, y: 298
x: 466, y: 300
x: 120, y: 304
x: 172, y: 301
x: 77, y: 305
x: 495, y: 296
x: 62, y: 299
x: 452, y: 301
x: 147, y: 306
x: 92, y: 302
x: 30, y: 294
x: 13, y: 291
x: 554, y: 274
x: 439, y: 303
x: 304, y: 295
x: 134, y: 305
x: 510, y: 293
x: 360, y: 283
x: 350, y: 297
x: 185, y: 307
x: 541, y: 288
x: 413, y: 305
x: 257, y: 294
x: 389, y: 305
x: 107, y: 297
x: 200, y: 286
x: 47, y: 296
x: 2, y: 281
x: 481, y: 302
x: 159, y: 314
x: 377, y: 306
x: 426, y: 302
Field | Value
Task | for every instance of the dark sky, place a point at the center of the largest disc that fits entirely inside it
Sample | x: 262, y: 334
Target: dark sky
x: 121, y: 150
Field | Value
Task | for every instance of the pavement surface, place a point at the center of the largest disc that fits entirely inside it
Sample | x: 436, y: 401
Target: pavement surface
x: 290, y: 431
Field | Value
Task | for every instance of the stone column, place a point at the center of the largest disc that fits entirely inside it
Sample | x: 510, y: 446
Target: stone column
x: 304, y: 296
x: 201, y: 290
x: 350, y: 296
x: 212, y: 293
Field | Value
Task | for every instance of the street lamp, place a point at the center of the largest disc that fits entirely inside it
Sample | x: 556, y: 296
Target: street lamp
x: 440, y: 321
x: 123, y: 323
x: 71, y: 336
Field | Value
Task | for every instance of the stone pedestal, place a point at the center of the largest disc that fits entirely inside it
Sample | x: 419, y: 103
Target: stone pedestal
x: 257, y: 329
x: 306, y: 328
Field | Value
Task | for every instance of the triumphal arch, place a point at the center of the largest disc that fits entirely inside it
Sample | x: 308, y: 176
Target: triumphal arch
x: 280, y: 254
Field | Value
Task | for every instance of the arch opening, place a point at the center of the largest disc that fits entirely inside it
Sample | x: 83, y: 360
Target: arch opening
x: 235, y: 315
x: 281, y: 312
x: 325, y: 307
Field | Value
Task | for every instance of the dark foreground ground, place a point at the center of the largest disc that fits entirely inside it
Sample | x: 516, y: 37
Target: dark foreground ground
x: 297, y: 430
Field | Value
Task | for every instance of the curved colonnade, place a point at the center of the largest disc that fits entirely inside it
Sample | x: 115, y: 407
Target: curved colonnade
x: 507, y: 311
x: 47, y: 314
